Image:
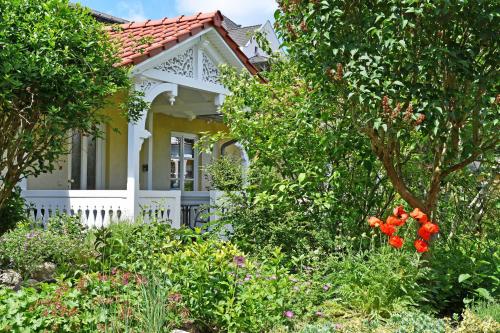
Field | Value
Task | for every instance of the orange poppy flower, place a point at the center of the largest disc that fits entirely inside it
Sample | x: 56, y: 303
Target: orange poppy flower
x: 404, y: 217
x: 398, y: 211
x: 421, y: 246
x: 392, y: 220
x: 374, y: 222
x: 418, y: 215
x: 422, y: 232
x: 396, y: 241
x: 430, y: 227
x: 387, y: 229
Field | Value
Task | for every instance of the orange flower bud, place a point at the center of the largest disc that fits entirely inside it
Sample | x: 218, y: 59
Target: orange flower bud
x: 374, y: 222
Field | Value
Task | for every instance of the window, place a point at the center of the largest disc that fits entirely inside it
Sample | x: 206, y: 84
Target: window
x: 183, y: 162
x: 86, y: 169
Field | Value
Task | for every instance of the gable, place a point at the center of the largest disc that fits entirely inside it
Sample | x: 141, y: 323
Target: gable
x: 194, y: 63
x: 141, y: 41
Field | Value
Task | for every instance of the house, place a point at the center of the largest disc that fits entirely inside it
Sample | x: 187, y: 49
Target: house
x: 245, y: 38
x: 151, y: 168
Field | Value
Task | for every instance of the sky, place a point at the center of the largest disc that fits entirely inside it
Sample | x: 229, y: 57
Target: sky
x: 245, y: 12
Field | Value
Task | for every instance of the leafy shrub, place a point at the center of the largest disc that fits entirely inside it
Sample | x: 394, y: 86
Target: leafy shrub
x: 133, y: 246
x: 461, y: 270
x: 379, y: 282
x: 225, y: 173
x: 487, y: 310
x: 94, y: 303
x: 12, y: 212
x: 27, y: 246
x: 416, y: 322
x: 472, y: 323
x: 224, y: 290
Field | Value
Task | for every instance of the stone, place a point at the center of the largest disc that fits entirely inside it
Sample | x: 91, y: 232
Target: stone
x: 10, y: 278
x: 44, y: 272
x: 179, y: 331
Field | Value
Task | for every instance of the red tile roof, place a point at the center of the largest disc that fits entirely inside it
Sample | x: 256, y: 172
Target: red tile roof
x: 139, y: 41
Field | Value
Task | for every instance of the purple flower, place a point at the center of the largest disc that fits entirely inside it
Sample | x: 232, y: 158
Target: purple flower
x: 239, y: 261
x: 288, y: 314
x: 31, y: 235
x: 338, y: 326
x: 248, y: 277
x: 319, y: 313
x: 326, y: 287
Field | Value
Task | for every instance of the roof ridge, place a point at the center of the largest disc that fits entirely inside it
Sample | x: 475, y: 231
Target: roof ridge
x: 177, y: 19
x: 248, y: 26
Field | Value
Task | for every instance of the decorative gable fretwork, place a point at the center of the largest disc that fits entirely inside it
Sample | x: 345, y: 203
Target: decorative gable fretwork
x: 210, y: 70
x: 147, y: 84
x: 182, y: 64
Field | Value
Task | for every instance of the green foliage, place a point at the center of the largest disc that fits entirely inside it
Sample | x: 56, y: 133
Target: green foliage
x: 377, y: 283
x: 57, y: 73
x: 12, y: 212
x: 461, y: 270
x: 133, y: 246
x: 418, y: 78
x: 225, y: 173
x: 311, y: 176
x: 485, y: 310
x: 227, y: 291
x: 473, y: 323
x: 416, y: 322
x: 63, y: 243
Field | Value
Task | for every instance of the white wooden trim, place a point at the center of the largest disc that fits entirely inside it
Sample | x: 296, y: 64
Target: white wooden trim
x: 150, y: 153
x: 185, y: 81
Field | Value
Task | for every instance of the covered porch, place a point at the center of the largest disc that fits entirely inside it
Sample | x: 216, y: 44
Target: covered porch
x: 150, y: 169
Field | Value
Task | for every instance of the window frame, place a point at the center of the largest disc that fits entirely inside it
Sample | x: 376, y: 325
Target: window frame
x: 182, y: 178
x: 100, y: 172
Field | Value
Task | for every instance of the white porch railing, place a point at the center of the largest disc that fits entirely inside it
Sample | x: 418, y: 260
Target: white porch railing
x: 100, y: 208
x: 95, y: 208
x: 161, y: 206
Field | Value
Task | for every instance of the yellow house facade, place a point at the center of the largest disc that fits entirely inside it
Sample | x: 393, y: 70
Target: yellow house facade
x: 152, y: 168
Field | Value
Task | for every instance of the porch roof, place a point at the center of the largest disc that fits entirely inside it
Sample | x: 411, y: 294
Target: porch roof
x: 139, y: 41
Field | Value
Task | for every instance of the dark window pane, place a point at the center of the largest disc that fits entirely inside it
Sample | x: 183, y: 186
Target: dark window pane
x: 189, y: 148
x: 76, y: 161
x: 91, y: 163
x: 175, y: 146
x: 189, y: 169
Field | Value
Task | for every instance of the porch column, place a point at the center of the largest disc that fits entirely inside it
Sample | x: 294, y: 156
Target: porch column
x: 136, y: 136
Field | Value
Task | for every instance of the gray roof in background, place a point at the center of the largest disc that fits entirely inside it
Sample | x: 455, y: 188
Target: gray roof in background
x: 242, y: 35
x: 106, y: 18
x: 258, y: 59
x: 229, y: 24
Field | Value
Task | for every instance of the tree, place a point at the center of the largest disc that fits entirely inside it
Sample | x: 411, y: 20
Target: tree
x: 56, y: 72
x: 419, y: 78
x: 310, y: 179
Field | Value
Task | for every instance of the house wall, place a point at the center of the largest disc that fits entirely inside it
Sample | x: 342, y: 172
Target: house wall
x: 116, y: 142
x: 115, y: 159
x: 57, y: 180
x: 274, y: 42
x: 115, y: 145
x: 163, y: 126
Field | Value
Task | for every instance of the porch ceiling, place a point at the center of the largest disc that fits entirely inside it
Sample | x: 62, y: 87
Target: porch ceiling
x: 189, y: 103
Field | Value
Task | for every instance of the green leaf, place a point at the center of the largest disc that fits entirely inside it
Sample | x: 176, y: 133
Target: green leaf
x: 484, y: 293
x: 301, y: 178
x: 463, y: 277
